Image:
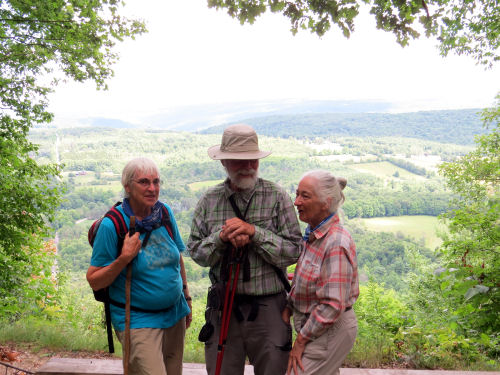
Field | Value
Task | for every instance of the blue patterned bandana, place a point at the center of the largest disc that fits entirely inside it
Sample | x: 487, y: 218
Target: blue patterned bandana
x: 308, y: 230
x: 148, y: 223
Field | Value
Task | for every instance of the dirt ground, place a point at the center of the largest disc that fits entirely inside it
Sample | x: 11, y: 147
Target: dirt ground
x: 27, y: 359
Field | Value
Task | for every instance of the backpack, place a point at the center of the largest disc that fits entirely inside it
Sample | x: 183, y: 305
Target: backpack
x: 102, y: 295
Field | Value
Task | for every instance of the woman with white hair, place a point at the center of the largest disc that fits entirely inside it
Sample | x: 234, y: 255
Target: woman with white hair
x: 325, y: 284
x: 159, y: 298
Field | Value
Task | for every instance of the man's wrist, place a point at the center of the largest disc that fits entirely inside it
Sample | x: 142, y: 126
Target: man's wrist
x: 222, y: 237
x: 252, y: 231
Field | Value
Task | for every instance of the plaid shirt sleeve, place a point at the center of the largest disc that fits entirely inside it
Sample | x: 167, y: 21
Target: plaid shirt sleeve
x: 326, y: 280
x: 204, y: 245
x: 280, y: 246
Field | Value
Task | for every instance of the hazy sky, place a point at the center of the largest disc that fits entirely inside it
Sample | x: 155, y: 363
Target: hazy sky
x: 195, y: 55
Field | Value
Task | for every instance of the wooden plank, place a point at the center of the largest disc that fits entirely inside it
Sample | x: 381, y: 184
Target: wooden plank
x: 81, y: 366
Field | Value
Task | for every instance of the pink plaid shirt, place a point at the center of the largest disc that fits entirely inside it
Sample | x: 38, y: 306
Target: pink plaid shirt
x: 325, y: 282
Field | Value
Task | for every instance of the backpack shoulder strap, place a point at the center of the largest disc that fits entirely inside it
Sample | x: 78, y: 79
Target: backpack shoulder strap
x: 165, y: 220
x: 119, y: 222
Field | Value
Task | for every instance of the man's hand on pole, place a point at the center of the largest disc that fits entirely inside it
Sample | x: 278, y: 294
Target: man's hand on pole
x: 237, y: 231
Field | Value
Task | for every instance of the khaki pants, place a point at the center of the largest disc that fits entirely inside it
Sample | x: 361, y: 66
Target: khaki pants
x: 325, y: 355
x: 262, y: 340
x: 156, y: 351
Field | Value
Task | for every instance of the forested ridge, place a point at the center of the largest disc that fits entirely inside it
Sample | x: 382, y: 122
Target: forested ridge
x: 450, y: 126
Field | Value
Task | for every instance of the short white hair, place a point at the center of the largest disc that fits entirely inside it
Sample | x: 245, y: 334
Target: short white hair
x: 143, y: 165
x: 328, y: 188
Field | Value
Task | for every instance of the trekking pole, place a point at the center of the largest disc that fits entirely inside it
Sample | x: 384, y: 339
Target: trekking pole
x: 126, y: 354
x: 228, y: 308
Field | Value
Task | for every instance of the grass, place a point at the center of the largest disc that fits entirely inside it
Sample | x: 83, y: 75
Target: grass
x: 54, y: 335
x: 77, y: 327
x: 384, y: 169
x: 418, y: 227
x: 194, y: 350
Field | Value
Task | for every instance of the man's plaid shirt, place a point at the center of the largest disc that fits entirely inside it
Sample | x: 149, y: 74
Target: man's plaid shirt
x: 325, y: 282
x: 277, y: 238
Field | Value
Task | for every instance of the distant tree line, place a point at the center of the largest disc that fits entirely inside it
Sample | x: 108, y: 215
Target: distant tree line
x: 410, y: 167
x: 366, y: 204
x: 428, y: 125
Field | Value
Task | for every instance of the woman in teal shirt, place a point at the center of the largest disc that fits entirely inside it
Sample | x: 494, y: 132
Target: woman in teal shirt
x: 160, y: 300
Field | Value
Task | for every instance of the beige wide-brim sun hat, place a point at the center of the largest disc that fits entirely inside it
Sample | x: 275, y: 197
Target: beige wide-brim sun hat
x: 238, y: 142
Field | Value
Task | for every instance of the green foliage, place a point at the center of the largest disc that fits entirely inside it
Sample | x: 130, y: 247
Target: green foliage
x: 35, y: 37
x: 384, y: 256
x: 469, y: 28
x: 28, y: 198
x: 370, y: 197
x: 39, y: 36
x: 438, y: 337
x: 471, y: 251
x: 75, y: 322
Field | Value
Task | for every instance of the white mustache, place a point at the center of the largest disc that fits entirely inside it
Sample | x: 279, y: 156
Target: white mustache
x: 246, y: 172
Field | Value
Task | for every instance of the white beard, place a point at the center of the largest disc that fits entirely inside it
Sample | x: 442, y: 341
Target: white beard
x: 243, y: 183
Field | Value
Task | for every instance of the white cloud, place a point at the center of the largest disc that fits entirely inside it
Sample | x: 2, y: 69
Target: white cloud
x: 196, y: 55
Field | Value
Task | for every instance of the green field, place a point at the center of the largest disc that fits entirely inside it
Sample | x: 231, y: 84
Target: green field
x: 418, y: 227
x: 195, y: 186
x: 384, y: 169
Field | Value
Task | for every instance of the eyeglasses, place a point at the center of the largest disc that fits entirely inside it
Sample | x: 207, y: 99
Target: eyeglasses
x: 145, y: 183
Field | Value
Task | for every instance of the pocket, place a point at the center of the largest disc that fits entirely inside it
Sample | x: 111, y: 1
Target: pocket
x: 283, y: 340
x: 317, y: 349
x: 215, y: 296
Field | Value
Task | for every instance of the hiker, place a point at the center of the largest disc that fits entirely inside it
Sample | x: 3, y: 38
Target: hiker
x: 269, y: 232
x: 325, y: 283
x: 160, y: 302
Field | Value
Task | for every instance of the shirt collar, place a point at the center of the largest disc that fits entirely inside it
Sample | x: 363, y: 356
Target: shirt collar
x: 322, y: 229
x: 244, y: 194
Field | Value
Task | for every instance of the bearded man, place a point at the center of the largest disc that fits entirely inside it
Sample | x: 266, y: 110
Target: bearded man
x: 256, y: 217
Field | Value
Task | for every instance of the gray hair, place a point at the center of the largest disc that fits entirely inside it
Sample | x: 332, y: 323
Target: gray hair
x: 328, y: 187
x: 144, y: 165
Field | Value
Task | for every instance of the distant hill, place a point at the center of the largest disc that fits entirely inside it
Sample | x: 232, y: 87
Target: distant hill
x: 198, y: 117
x: 305, y: 118
x: 447, y: 126
x: 194, y: 118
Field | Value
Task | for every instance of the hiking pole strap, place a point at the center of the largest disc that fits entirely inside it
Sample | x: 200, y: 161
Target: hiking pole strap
x: 128, y: 282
